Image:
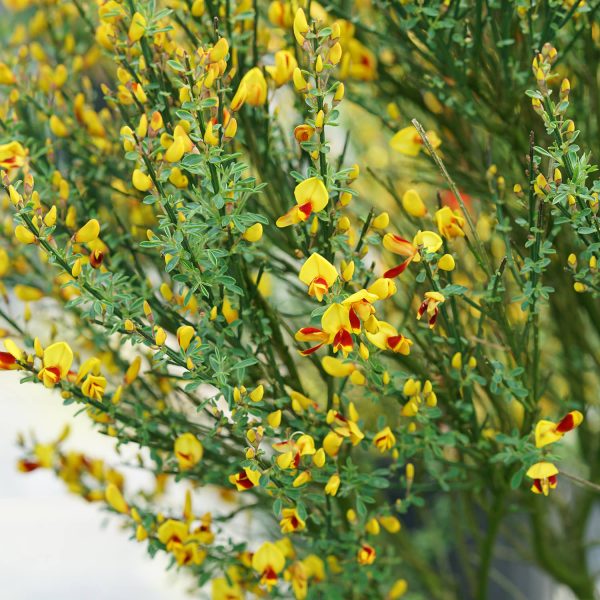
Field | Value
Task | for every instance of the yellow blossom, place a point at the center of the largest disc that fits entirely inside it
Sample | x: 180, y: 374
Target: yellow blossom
x: 188, y: 451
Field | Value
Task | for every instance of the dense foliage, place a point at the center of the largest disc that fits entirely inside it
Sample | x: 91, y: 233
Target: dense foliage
x: 228, y: 237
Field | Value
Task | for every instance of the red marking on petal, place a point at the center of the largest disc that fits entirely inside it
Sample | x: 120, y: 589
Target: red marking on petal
x: 433, y: 318
x: 7, y: 360
x: 96, y: 258
x: 537, y: 484
x: 342, y: 340
x: 309, y: 330
x: 398, y: 270
x: 354, y: 320
x: 394, y: 341
x: 28, y: 465
x: 566, y: 424
x: 55, y: 371
x: 244, y: 481
x: 310, y: 350
x: 306, y: 209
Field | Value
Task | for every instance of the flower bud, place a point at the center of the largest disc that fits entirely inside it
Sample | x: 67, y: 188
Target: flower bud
x: 185, y: 334
x: 253, y: 233
x: 141, y: 181
x: 50, y: 218
x: 23, y: 235
x: 381, y: 221
x: 88, y: 233
x: 137, y: 28
x: 299, y: 81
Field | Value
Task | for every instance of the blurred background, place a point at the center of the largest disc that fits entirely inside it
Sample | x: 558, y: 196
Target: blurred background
x: 49, y: 533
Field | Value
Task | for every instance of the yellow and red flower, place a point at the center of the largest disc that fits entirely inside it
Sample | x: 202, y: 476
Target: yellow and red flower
x: 188, y: 451
x: 384, y: 440
x: 450, y: 223
x: 311, y: 196
x: 7, y: 362
x: 544, y: 475
x: 57, y: 360
x: 547, y: 432
x: 361, y: 307
x: 335, y: 330
x: 318, y: 274
x: 12, y: 156
x: 291, y: 521
x: 366, y: 555
x: 246, y: 479
x: 430, y: 306
x: 268, y: 561
x: 398, y: 245
x: 387, y: 338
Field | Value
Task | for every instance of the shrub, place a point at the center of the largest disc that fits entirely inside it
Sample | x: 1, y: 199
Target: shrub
x: 271, y: 278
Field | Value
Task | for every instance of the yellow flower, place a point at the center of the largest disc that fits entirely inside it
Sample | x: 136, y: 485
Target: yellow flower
x: 547, y: 432
x: 366, y: 555
x: 449, y: 223
x: 407, y: 141
x: 430, y: 305
x: 384, y: 440
x: 302, y: 479
x: 387, y: 338
x: 429, y: 240
x: 544, y: 477
x: 23, y: 235
x: 218, y: 51
x: 412, y: 204
x: 12, y: 155
x: 173, y: 532
x: 244, y: 480
x: 239, y: 98
x: 229, y: 312
x: 390, y: 523
x: 7, y: 77
x: 188, y: 451
x: 88, y: 233
x: 254, y: 233
x: 382, y: 288
x: 141, y: 181
x: 137, y: 28
x: 446, y: 263
x: 94, y: 386
x: 282, y: 72
x: 256, y: 87
x: 176, y: 150
x: 268, y: 561
x: 318, y: 274
x: 26, y: 293
x: 335, y: 330
x: 57, y: 361
x: 274, y: 418
x: 333, y: 484
x: 397, y: 590
x: 311, y: 196
x: 115, y: 498
x: 223, y: 590
x: 185, y: 334
x: 300, y: 26
x: 291, y: 521
x: 58, y: 127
